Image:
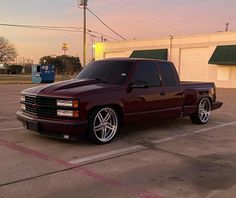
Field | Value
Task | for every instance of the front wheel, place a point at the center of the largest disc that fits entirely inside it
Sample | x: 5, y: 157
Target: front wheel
x: 103, y: 125
x: 203, y: 113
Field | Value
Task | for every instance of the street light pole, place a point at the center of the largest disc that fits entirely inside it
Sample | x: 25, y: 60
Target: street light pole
x: 83, y: 4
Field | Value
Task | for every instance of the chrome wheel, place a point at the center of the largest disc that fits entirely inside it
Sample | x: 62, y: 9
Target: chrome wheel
x: 105, y: 124
x: 204, y: 110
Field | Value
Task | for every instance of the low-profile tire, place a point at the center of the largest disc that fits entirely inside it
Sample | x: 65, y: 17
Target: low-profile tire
x: 203, y: 113
x: 103, y: 125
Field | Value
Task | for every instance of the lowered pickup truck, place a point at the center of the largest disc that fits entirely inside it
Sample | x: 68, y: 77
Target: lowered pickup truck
x: 109, y: 92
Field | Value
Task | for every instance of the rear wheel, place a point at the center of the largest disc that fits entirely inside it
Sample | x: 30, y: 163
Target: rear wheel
x: 203, y: 113
x: 103, y: 125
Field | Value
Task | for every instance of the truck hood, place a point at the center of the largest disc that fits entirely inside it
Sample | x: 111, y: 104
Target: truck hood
x: 69, y: 89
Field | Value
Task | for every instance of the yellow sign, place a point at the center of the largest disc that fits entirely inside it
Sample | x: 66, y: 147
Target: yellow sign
x: 64, y: 46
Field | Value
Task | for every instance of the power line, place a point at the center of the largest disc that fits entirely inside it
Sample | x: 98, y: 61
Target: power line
x: 56, y: 28
x: 102, y: 34
x: 71, y: 5
x: 105, y: 24
x: 62, y: 3
x: 163, y: 15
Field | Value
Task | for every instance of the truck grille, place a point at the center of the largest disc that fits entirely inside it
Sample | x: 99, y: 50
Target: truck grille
x: 40, y: 106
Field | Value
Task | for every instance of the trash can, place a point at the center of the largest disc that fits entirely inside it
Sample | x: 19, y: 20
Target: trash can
x: 43, y: 73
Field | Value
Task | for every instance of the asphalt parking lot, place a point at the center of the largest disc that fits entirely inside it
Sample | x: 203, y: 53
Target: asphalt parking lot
x: 168, y: 159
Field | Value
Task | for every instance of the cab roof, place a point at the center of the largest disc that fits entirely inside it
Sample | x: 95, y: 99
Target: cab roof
x: 133, y: 59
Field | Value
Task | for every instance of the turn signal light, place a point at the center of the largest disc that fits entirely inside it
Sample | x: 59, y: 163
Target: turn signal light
x: 75, y: 103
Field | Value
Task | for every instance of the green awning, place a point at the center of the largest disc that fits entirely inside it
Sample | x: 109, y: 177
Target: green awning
x: 152, y: 54
x: 224, y: 55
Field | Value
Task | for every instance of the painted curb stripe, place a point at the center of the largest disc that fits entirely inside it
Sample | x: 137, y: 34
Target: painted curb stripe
x: 10, y: 129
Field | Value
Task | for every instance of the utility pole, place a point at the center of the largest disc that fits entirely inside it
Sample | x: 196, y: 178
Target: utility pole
x: 64, y: 48
x: 83, y: 4
x: 171, y: 43
x: 227, y: 26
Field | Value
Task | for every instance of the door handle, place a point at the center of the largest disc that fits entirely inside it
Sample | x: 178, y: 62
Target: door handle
x: 162, y: 93
x: 141, y: 97
x: 180, y: 93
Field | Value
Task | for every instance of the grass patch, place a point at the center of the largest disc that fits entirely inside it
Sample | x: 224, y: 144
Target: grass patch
x: 26, y: 78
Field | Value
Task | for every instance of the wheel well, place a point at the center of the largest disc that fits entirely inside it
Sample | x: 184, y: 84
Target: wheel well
x: 211, y: 100
x: 116, y: 107
x: 206, y: 96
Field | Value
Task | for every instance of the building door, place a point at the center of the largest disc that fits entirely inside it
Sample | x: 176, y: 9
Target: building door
x: 194, y: 64
x: 233, y: 77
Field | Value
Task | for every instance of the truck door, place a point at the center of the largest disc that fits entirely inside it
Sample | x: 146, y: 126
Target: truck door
x: 145, y: 101
x: 172, y: 91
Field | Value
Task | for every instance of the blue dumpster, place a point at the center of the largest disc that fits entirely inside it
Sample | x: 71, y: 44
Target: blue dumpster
x: 43, y: 73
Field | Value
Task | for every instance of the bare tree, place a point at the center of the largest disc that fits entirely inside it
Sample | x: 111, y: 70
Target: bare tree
x: 7, y: 51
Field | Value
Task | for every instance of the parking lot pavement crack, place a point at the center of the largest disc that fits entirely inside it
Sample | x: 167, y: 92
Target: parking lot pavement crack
x: 34, y: 177
x: 173, y: 153
x: 153, y: 146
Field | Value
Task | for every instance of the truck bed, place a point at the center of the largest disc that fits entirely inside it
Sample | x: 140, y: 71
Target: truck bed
x: 198, y: 85
x: 193, y: 91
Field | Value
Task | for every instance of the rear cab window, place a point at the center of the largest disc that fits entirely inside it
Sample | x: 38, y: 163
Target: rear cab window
x: 147, y: 72
x: 169, y: 74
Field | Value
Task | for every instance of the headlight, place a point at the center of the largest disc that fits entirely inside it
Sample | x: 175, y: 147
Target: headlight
x: 22, y: 98
x: 68, y: 103
x: 22, y: 106
x: 68, y: 113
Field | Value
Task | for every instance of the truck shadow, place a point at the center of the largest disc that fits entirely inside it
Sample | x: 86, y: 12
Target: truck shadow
x: 149, y: 130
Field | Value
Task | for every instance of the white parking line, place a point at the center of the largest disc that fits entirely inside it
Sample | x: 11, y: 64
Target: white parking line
x: 194, y: 132
x: 130, y: 149
x: 4, y: 103
x: 215, y: 122
x: 136, y: 148
x: 215, y: 127
x: 109, y: 154
x: 213, y: 193
x: 10, y: 129
x: 6, y: 94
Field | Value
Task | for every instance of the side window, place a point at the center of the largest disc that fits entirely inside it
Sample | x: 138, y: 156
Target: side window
x: 147, y: 72
x: 168, y: 74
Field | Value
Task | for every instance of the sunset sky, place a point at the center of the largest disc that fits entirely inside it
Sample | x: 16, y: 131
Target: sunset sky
x: 140, y: 19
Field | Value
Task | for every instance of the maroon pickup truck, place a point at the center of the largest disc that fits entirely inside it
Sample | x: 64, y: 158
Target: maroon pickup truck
x: 109, y: 92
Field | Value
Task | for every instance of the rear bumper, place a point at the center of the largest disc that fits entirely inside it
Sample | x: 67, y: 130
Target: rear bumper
x: 60, y: 129
x: 216, y: 105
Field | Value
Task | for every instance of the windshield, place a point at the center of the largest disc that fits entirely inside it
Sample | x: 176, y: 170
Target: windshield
x: 114, y: 72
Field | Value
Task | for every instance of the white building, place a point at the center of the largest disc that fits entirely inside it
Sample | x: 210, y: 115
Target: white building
x: 207, y: 57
